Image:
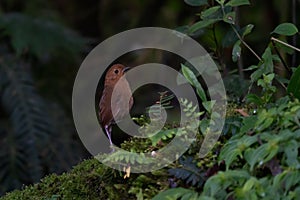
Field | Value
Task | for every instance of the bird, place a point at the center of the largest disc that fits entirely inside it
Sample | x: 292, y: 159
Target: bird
x: 118, y: 108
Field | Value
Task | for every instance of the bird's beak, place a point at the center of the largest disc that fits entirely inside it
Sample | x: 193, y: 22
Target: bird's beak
x: 126, y: 69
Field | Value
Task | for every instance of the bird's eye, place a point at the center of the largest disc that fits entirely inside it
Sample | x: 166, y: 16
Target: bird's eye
x: 116, y: 71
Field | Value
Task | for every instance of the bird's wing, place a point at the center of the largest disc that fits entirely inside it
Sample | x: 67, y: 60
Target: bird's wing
x: 105, y: 114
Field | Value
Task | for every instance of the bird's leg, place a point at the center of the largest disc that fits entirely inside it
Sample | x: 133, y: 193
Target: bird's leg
x: 108, y: 130
x: 108, y: 133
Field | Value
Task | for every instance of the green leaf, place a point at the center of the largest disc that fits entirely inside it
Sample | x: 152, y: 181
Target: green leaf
x: 258, y: 155
x: 164, y: 134
x: 39, y: 37
x: 287, y: 29
x: 294, y: 84
x: 196, y: 2
x: 247, y: 29
x: 201, y: 24
x: 264, y: 67
x: 267, y: 61
x: 221, y: 2
x: 173, y: 193
x: 291, y: 152
x: 253, y: 98
x: 236, y: 51
x: 190, y: 76
x: 211, y: 13
x: 238, y: 3
x: 249, y: 184
x: 208, y: 105
x: 252, y: 67
x: 248, y: 124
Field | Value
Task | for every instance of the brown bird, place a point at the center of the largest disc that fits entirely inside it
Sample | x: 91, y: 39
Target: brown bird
x: 119, y: 106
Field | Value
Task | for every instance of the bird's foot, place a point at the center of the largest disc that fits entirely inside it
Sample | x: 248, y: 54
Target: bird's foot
x: 112, y: 149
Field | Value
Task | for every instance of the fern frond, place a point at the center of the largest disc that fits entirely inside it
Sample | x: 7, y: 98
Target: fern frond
x: 29, y: 121
x: 42, y: 38
x: 188, y: 172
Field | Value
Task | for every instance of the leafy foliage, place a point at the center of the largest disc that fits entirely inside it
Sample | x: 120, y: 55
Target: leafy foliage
x: 177, y: 193
x: 294, y: 84
x: 29, y: 129
x: 188, y: 172
x: 39, y: 37
x: 257, y: 156
x: 28, y: 122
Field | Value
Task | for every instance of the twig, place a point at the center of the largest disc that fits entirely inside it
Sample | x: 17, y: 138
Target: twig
x: 245, y: 44
x: 240, y: 60
x: 285, y: 44
x: 240, y: 38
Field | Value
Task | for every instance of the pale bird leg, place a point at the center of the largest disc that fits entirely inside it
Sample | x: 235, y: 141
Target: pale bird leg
x: 108, y: 133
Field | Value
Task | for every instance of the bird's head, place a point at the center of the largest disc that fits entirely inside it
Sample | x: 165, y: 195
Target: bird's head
x: 115, y: 73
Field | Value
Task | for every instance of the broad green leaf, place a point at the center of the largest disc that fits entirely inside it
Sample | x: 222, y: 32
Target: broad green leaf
x: 253, y: 98
x: 267, y: 61
x: 247, y: 29
x: 238, y: 3
x: 248, y: 124
x: 291, y: 153
x: 190, y: 76
x: 257, y: 74
x: 201, y: 24
x: 258, y: 155
x: 236, y: 51
x: 196, y: 2
x: 265, y: 124
x: 294, y: 84
x: 249, y: 184
x: 272, y: 151
x: 287, y: 29
x: 229, y: 153
x: 246, y: 141
x: 210, y: 13
x: 265, y: 67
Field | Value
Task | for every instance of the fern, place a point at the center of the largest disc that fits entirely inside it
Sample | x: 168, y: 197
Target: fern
x: 62, y: 151
x: 30, y: 126
x: 188, y: 172
x: 33, y: 140
x: 41, y: 38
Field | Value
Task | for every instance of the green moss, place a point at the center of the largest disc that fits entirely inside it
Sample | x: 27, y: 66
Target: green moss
x: 85, y: 181
x: 93, y: 180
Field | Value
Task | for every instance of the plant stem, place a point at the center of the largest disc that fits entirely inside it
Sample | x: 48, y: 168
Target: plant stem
x: 285, y: 44
x: 245, y: 44
x: 241, y: 39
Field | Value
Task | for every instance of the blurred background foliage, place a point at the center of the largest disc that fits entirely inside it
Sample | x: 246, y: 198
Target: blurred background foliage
x: 42, y: 44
